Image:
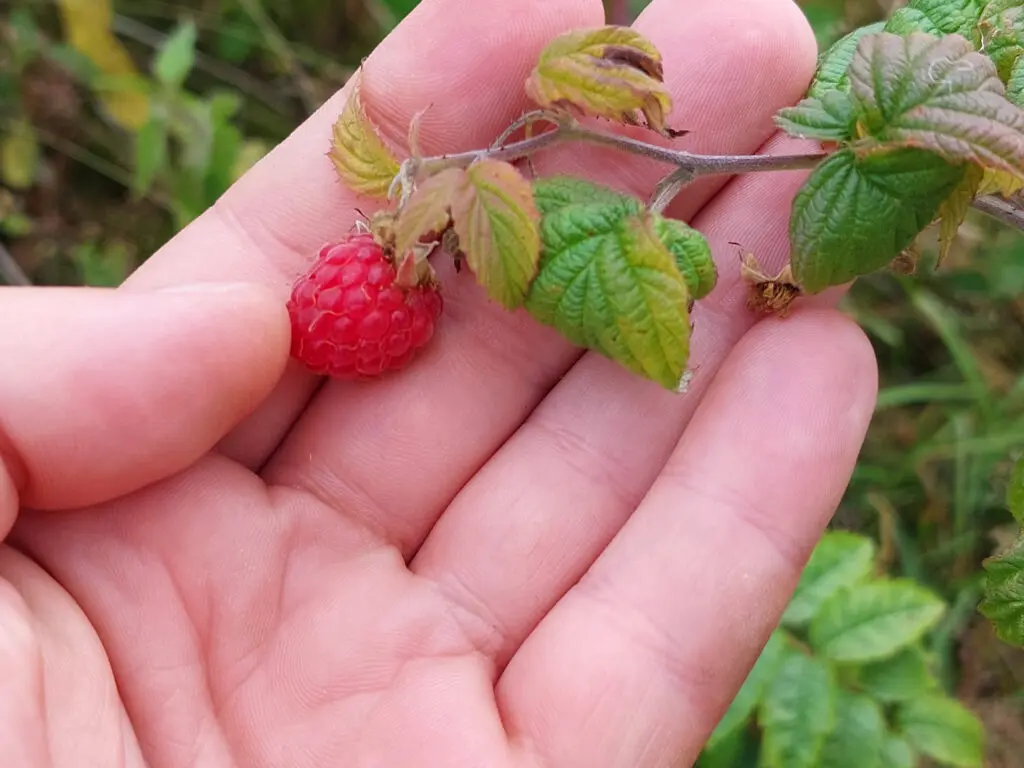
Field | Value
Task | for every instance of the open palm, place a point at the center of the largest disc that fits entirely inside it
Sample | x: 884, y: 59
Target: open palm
x: 509, y: 554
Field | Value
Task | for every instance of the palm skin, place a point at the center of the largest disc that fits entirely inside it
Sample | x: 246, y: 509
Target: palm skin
x: 510, y: 554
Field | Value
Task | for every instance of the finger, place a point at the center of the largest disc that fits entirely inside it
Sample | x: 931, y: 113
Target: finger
x: 465, y: 60
x: 529, y: 524
x: 22, y: 711
x: 438, y: 422
x: 82, y: 713
x: 112, y: 391
x: 637, y: 662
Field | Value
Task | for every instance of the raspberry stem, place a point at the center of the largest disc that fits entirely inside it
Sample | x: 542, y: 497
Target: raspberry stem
x: 688, y: 166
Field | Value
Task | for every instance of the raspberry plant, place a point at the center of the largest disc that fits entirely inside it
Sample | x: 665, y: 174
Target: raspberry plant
x: 847, y: 679
x: 918, y: 118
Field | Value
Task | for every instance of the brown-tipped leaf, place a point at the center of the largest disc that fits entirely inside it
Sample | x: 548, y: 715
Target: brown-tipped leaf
x: 490, y: 206
x: 363, y: 161
x: 936, y: 94
x: 427, y: 211
x: 610, y: 72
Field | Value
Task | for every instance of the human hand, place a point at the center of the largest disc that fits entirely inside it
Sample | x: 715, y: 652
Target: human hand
x: 509, y: 554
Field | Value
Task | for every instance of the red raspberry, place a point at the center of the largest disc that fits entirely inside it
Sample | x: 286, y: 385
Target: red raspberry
x: 349, y: 317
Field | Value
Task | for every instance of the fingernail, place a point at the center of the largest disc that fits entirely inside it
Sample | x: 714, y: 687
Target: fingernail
x: 205, y: 288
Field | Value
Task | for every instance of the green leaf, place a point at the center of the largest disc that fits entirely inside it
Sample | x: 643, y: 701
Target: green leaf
x: 1015, y: 84
x: 610, y: 71
x: 738, y: 750
x: 1015, y: 491
x: 898, y: 678
x: 897, y: 753
x: 692, y: 254
x: 858, y: 735
x: 176, y: 56
x: 150, y: 154
x: 1002, y: 22
x: 853, y: 216
x: 839, y: 560
x: 1003, y: 602
x: 832, y: 64
x: 869, y: 622
x: 797, y: 713
x: 937, y: 94
x: 944, y: 729
x: 936, y: 17
x: 749, y: 695
x: 829, y: 118
x: 607, y: 282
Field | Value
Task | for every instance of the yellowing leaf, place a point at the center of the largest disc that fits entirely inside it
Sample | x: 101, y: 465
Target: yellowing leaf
x: 362, y: 160
x: 497, y: 224
x: 999, y: 183
x: 954, y: 208
x: 87, y: 27
x: 490, y: 206
x: 609, y: 71
x: 19, y: 156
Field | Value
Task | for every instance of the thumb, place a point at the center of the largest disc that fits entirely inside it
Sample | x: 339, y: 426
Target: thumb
x: 103, y: 391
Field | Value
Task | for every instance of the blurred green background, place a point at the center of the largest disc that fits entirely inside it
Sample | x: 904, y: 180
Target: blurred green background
x: 122, y: 120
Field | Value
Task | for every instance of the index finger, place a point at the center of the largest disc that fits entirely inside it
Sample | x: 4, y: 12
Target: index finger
x: 467, y: 60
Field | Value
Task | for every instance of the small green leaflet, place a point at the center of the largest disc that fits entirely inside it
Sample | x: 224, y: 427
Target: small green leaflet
x: 943, y: 729
x: 897, y: 753
x: 797, y: 712
x: 151, y: 153
x: 858, y: 736
x: 746, y: 700
x: 829, y: 118
x: 176, y: 56
x: 833, y: 63
x: 840, y: 559
x: 853, y: 216
x: 1015, y: 491
x: 608, y: 282
x: 871, y: 621
x: 898, y: 678
x: 692, y: 254
x: 1003, y: 603
x: 936, y: 17
x: 936, y: 94
x: 1015, y: 85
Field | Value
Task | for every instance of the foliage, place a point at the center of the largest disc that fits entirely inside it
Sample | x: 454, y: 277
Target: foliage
x: 917, y: 122
x: 848, y: 679
x: 1004, y: 587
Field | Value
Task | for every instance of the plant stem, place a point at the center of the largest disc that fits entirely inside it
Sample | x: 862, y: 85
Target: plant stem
x: 1009, y: 211
x: 688, y: 166
x: 566, y: 130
